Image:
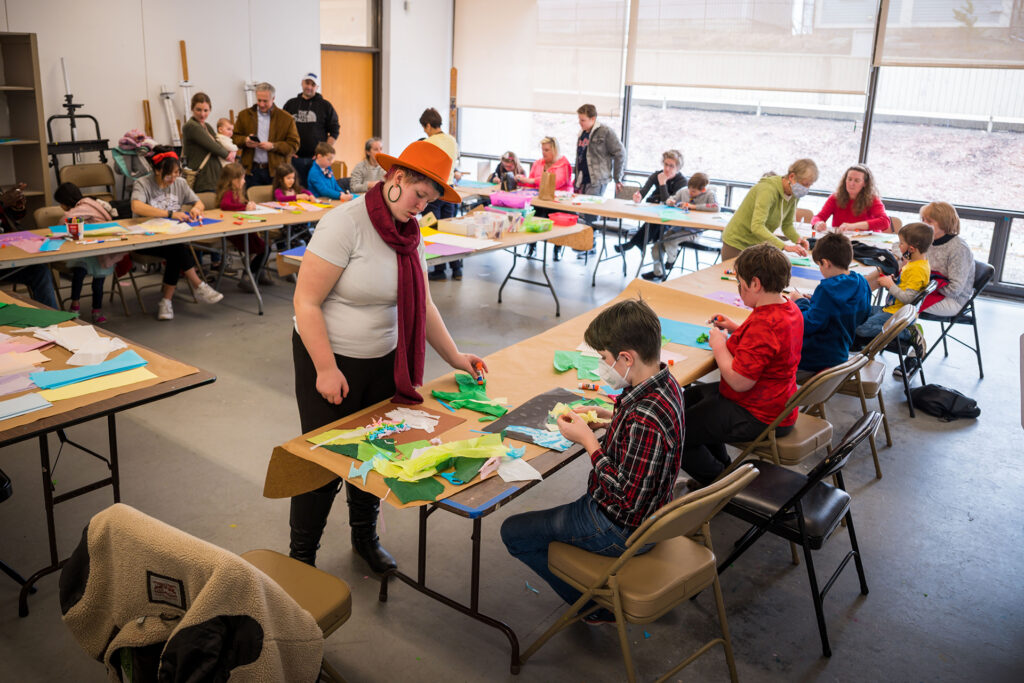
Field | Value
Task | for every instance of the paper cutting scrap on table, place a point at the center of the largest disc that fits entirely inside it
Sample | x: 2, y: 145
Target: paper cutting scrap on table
x: 407, y: 492
x: 797, y: 260
x: 731, y: 298
x: 416, y: 419
x: 24, y: 316
x: 590, y: 417
x: 671, y: 357
x: 542, y: 437
x: 426, y: 462
x: 29, y: 403
x: 83, y: 341
x: 807, y: 273
x: 360, y: 471
x: 378, y: 429
x: 51, y: 379
x: 92, y: 386
x: 684, y: 333
x: 517, y: 470
x: 586, y: 366
x: 470, y: 395
x: 13, y: 383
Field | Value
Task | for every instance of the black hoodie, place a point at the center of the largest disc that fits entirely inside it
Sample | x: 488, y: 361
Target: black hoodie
x: 315, y: 119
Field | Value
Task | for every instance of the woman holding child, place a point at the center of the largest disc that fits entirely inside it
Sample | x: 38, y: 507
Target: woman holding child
x: 199, y: 146
x: 363, y: 314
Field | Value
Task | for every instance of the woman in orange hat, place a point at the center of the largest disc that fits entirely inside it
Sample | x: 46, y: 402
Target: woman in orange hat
x: 363, y: 315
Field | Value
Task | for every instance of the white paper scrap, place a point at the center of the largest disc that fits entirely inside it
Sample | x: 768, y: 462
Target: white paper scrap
x: 516, y: 469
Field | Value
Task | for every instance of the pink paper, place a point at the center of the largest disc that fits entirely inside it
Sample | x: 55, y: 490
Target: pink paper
x: 731, y: 298
x: 444, y: 249
x: 22, y: 346
x: 12, y: 384
x: 27, y: 246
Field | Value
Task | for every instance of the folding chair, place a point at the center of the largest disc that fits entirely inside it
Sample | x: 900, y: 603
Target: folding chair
x: 898, y: 346
x: 967, y: 315
x: 804, y: 509
x: 130, y: 165
x: 250, y: 617
x: 90, y: 175
x: 867, y: 382
x: 803, y: 216
x: 642, y: 588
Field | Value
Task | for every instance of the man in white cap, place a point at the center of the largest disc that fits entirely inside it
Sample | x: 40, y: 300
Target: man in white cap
x: 316, y: 120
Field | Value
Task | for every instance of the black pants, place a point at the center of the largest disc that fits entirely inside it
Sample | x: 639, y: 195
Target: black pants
x: 370, y: 380
x: 177, y: 259
x: 711, y: 421
x: 261, y: 176
x: 441, y: 210
x: 78, y: 280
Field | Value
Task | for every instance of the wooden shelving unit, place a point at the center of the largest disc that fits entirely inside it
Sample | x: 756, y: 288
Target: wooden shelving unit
x: 22, y: 139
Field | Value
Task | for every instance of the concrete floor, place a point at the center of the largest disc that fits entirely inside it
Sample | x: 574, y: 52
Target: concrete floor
x: 942, y: 533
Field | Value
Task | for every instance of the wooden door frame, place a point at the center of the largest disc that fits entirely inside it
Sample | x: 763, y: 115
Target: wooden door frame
x: 376, y: 31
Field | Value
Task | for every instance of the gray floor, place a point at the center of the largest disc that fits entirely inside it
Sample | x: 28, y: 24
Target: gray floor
x: 942, y: 533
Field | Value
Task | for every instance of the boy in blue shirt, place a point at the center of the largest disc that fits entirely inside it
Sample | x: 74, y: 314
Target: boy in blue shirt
x: 840, y: 303
x: 321, y: 181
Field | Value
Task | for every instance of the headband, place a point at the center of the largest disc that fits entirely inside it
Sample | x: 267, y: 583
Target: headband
x: 165, y: 155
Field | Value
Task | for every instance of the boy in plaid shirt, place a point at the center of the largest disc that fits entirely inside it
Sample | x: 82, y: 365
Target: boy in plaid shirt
x: 634, y: 467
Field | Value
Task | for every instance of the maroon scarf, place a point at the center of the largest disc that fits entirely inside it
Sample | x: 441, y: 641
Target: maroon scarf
x: 404, y: 239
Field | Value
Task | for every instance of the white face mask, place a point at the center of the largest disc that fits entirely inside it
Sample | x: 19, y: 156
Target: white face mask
x: 799, y: 191
x: 611, y: 376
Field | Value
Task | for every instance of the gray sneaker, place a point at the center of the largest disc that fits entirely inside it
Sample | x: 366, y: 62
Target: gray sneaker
x: 917, y: 340
x: 207, y: 294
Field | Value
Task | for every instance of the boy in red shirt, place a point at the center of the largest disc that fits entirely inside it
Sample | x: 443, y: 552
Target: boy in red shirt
x: 758, y: 362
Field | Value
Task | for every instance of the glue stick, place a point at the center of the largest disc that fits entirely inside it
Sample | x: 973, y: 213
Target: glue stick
x: 591, y: 386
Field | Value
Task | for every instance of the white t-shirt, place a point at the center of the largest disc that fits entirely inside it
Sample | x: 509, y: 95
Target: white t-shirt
x: 361, y: 310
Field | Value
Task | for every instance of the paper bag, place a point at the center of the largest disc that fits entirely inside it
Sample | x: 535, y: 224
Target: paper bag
x: 547, y: 186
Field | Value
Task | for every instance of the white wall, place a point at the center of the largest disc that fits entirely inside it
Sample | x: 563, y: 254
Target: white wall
x: 417, y: 59
x: 119, y: 52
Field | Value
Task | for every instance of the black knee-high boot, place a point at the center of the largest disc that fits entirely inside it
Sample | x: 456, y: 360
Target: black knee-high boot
x: 308, y: 518
x: 362, y: 517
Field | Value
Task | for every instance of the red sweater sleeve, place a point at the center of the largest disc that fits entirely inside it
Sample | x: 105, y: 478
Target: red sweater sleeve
x: 826, y: 211
x: 228, y: 203
x: 876, y: 218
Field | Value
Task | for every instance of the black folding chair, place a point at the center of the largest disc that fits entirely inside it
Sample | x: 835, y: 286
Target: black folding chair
x: 805, y: 510
x: 900, y: 348
x: 967, y: 315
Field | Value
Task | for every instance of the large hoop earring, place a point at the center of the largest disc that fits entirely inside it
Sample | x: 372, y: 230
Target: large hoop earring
x: 394, y: 199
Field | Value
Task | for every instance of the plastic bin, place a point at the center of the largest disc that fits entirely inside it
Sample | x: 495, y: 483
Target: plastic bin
x: 564, y: 219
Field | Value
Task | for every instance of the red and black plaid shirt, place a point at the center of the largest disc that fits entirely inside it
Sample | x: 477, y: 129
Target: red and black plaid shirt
x: 637, y: 465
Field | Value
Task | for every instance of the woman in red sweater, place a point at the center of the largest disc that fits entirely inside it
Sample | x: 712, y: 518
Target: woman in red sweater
x: 231, y: 197
x: 855, y: 205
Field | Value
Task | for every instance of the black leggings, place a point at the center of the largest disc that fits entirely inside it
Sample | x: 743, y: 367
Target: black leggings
x: 711, y: 421
x: 177, y: 257
x: 78, y: 279
x: 370, y: 381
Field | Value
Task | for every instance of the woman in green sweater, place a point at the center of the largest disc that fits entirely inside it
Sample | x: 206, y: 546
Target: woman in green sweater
x: 202, y: 153
x: 768, y: 206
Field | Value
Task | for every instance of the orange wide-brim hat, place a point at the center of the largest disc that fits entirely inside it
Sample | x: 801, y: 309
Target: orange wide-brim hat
x: 430, y: 160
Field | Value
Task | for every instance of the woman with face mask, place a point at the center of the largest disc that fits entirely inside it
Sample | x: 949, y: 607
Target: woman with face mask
x: 770, y: 205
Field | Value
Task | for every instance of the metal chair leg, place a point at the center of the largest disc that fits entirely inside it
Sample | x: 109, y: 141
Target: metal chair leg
x: 819, y: 609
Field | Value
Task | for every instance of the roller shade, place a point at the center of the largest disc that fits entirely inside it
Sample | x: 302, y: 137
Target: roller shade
x: 796, y: 45
x: 952, y: 33
x: 540, y: 55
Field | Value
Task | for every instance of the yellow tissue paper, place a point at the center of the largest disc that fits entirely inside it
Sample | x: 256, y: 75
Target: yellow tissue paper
x: 424, y: 462
x: 91, y: 386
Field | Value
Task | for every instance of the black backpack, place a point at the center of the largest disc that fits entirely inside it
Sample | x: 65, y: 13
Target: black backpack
x: 876, y: 256
x: 944, y: 403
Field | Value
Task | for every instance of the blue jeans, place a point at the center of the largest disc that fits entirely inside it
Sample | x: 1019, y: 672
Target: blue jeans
x: 872, y: 326
x: 39, y: 282
x: 580, y: 523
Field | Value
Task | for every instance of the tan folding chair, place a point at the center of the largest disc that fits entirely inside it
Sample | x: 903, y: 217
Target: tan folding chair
x: 641, y: 588
x: 803, y: 216
x: 867, y: 382
x: 323, y: 595
x: 340, y: 169
x: 812, y: 431
x: 895, y: 224
x: 260, y: 193
x: 90, y: 175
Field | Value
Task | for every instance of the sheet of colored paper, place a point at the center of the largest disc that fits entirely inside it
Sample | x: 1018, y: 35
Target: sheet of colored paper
x: 204, y: 221
x: 474, y: 184
x: 684, y: 333
x: 440, y: 249
x: 807, y: 273
x: 27, y: 246
x: 667, y: 356
x: 731, y: 298
x: 29, y: 403
x: 471, y: 243
x: 24, y: 316
x: 51, y: 379
x: 92, y: 229
x: 51, y: 245
x: 12, y: 384
x: 9, y: 237
x: 91, y: 386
